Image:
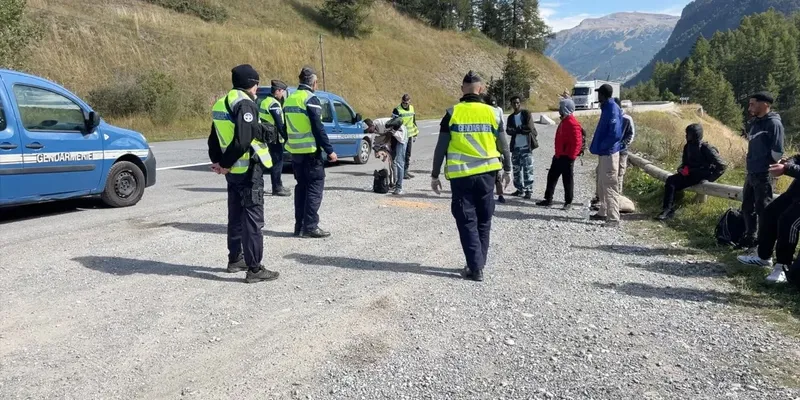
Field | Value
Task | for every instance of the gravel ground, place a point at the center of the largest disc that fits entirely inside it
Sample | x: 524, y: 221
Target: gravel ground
x: 136, y: 305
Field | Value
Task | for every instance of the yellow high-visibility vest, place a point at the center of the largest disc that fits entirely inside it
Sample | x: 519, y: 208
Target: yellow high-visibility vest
x: 225, y: 128
x: 473, y: 141
x: 408, y: 120
x: 266, y: 116
x: 298, y: 124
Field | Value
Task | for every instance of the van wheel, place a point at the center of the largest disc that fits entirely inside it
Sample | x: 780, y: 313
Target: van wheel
x: 363, y: 152
x: 124, y: 185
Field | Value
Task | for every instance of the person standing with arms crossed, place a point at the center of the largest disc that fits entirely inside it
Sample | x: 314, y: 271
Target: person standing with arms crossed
x: 469, y: 141
x: 606, y: 144
x: 306, y: 137
x: 406, y: 111
x: 236, y: 148
x: 271, y: 112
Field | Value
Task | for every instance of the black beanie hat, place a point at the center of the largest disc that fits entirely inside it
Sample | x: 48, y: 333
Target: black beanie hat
x: 244, y: 76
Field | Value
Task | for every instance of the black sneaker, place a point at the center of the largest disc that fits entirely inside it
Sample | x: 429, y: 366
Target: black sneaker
x: 665, y: 215
x: 281, y: 193
x: 746, y: 243
x: 501, y: 199
x: 597, y: 217
x: 316, y: 234
x: 518, y: 193
x: 237, y: 266
x: 528, y: 195
x: 544, y: 203
x: 262, y: 275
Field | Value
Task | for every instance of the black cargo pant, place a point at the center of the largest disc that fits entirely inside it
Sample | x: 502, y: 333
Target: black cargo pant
x: 276, y: 152
x: 756, y: 195
x: 246, y: 216
x: 561, y: 167
x: 779, y: 228
x: 676, y: 183
x: 409, y: 144
x: 309, y: 172
x: 472, y: 206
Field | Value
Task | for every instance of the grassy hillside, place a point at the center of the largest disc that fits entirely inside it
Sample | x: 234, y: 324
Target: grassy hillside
x: 90, y: 44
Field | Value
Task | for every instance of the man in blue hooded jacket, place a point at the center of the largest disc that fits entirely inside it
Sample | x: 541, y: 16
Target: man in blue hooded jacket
x: 606, y: 144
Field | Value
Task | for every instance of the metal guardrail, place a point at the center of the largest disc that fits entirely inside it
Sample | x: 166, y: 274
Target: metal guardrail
x: 708, y: 188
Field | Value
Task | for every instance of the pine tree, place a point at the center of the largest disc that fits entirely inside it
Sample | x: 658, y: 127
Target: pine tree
x: 518, y: 76
x: 349, y: 16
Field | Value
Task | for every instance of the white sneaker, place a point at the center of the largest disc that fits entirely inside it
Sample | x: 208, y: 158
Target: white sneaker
x: 754, y: 260
x: 777, y: 275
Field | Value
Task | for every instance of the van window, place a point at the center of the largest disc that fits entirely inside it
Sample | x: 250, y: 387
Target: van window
x: 43, y: 110
x: 343, y: 113
x: 327, y: 117
x: 581, y: 91
x: 2, y: 118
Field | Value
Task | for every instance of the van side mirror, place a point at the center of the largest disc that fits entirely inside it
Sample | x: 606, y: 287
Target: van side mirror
x: 92, y: 121
x: 358, y: 118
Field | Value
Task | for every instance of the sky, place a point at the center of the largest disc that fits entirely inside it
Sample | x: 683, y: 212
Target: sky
x: 565, y: 14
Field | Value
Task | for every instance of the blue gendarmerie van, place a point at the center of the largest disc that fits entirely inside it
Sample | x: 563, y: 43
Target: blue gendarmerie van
x: 54, y: 146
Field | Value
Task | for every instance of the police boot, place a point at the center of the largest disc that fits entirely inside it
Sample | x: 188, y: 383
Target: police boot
x: 237, y: 266
x: 281, y: 193
x: 261, y: 275
x: 468, y: 274
x: 316, y: 234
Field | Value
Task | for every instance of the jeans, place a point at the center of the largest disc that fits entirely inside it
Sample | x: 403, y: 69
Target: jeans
x: 399, y: 163
x: 757, y: 193
x: 608, y: 177
x: 561, y: 167
x: 780, y: 227
x: 522, y: 162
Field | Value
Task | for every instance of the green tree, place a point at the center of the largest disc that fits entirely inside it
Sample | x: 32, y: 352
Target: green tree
x: 710, y: 89
x: 349, y: 17
x: 17, y: 32
x: 645, y: 91
x: 518, y: 77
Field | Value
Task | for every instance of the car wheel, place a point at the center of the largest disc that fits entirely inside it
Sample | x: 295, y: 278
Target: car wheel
x: 363, y: 152
x: 124, y: 185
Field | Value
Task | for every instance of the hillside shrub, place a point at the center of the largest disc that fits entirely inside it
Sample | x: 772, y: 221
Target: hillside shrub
x: 17, y: 32
x: 202, y: 9
x: 348, y: 17
x: 153, y: 93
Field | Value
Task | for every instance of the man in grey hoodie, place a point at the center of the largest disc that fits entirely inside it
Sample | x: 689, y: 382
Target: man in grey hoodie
x: 765, y: 148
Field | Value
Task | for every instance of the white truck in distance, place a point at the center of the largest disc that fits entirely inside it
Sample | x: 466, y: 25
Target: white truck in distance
x: 585, y: 97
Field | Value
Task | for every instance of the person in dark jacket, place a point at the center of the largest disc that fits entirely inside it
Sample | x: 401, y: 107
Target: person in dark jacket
x: 764, y: 149
x: 271, y: 112
x: 523, y: 141
x: 606, y: 144
x: 779, y: 225
x: 700, y: 162
x: 569, y: 142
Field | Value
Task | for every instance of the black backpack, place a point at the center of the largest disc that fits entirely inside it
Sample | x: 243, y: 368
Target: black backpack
x: 381, y: 182
x: 793, y: 274
x: 584, y: 146
x: 730, y: 228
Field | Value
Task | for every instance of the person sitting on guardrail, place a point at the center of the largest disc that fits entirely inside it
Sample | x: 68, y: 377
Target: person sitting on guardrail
x: 778, y: 225
x: 700, y: 162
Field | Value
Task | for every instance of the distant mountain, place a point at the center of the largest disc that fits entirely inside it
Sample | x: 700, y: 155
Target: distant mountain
x: 705, y: 17
x: 616, y: 46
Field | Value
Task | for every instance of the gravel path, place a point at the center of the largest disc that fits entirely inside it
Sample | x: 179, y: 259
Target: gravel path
x: 139, y: 307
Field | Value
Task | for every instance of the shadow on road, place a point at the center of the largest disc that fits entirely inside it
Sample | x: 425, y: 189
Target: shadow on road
x: 412, y: 195
x: 221, y: 229
x: 370, y: 265
x: 351, y: 173
x: 32, y: 211
x: 680, y: 293
x: 127, y: 266
x: 206, y: 190
x: 640, y: 250
x: 684, y: 270
x: 519, y: 215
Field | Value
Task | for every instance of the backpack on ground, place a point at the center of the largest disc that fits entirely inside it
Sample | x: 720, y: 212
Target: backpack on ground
x: 730, y: 228
x: 380, y: 184
x: 793, y: 274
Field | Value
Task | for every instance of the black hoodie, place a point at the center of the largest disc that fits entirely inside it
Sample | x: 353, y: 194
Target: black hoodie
x: 766, y: 143
x: 702, y: 158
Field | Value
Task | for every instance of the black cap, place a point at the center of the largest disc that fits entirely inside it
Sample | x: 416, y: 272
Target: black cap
x: 244, y: 76
x: 278, y: 85
x: 605, y: 90
x: 306, y: 73
x: 471, y: 77
x: 764, y: 96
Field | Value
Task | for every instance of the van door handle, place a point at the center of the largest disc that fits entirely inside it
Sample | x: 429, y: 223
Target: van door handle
x: 34, y: 146
x: 7, y: 146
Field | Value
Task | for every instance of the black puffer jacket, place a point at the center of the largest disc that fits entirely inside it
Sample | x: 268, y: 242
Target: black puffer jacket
x: 702, y: 158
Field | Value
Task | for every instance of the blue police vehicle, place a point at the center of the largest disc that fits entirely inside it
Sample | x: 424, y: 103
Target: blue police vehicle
x: 345, y: 127
x: 53, y: 146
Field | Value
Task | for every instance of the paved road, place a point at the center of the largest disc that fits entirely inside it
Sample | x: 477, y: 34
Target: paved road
x: 134, y: 303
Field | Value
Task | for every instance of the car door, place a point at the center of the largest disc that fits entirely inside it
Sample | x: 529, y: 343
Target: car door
x: 329, y: 122
x: 59, y: 155
x: 10, y: 151
x: 349, y: 129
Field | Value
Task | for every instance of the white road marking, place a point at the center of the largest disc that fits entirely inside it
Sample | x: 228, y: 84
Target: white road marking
x: 182, y: 166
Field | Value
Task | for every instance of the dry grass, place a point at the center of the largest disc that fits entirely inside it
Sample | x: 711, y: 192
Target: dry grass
x: 89, y: 43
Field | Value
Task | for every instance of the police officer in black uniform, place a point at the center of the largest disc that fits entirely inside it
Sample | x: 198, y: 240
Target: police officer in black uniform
x: 245, y: 190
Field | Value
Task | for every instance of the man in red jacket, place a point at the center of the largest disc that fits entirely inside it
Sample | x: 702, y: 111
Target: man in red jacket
x: 568, y: 146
